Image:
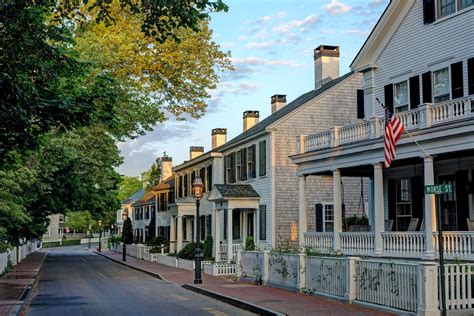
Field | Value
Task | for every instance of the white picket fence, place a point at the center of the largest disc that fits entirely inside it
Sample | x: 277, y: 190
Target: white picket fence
x: 387, y: 284
x: 459, y: 282
x: 326, y: 275
x: 3, y: 261
x: 220, y: 268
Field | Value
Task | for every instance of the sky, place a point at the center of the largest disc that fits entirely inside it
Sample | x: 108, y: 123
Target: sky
x: 271, y: 44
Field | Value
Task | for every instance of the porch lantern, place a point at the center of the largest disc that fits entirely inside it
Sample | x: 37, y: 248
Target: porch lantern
x: 100, y: 235
x: 124, y: 249
x: 197, y: 193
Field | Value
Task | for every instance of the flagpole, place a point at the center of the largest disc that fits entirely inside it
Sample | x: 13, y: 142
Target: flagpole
x: 405, y: 130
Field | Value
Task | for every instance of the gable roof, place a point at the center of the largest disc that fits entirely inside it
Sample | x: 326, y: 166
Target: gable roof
x: 165, y: 184
x: 146, y: 199
x: 236, y: 191
x: 134, y: 197
x: 290, y: 107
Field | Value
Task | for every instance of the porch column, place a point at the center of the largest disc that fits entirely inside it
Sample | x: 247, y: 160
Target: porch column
x: 379, y: 214
x: 179, y: 245
x: 245, y: 218
x: 172, y: 234
x: 229, y: 235
x: 217, y: 235
x: 302, y: 209
x: 336, y: 178
x: 255, y: 226
x: 430, y: 209
x: 189, y: 229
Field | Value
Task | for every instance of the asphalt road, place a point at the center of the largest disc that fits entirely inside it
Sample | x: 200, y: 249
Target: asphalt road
x: 76, y: 282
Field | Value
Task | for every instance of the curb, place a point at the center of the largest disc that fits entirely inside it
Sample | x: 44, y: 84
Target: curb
x: 153, y: 274
x: 233, y: 301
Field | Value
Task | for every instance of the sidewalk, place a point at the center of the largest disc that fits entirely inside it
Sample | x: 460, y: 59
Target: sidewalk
x: 283, y: 301
x: 15, y: 285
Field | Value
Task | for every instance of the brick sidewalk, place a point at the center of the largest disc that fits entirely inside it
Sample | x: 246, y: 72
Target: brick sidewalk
x: 14, y: 284
x: 284, y: 301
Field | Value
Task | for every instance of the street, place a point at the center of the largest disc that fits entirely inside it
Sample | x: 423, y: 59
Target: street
x: 76, y: 282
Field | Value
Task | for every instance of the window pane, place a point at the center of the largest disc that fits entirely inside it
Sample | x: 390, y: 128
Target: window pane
x: 400, y: 95
x: 403, y: 190
x: 447, y: 7
x: 466, y: 3
x: 441, y: 83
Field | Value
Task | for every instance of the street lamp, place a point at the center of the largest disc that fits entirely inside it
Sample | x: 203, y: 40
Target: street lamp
x: 124, y: 250
x: 197, y: 193
x: 89, y: 233
x: 100, y: 235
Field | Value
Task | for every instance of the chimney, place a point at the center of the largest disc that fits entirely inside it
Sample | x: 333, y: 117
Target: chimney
x: 250, y: 119
x: 278, y: 101
x: 219, y: 137
x: 195, y: 151
x: 166, y: 166
x: 326, y: 64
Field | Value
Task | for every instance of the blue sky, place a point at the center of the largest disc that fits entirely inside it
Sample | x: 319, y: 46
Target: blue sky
x: 271, y: 44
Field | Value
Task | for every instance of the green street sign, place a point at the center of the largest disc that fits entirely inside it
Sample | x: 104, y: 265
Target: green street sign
x: 438, y: 189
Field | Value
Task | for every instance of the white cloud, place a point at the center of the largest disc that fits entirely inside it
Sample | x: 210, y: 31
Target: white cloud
x: 263, y: 61
x: 357, y: 32
x: 301, y: 25
x: 335, y: 8
x: 261, y: 45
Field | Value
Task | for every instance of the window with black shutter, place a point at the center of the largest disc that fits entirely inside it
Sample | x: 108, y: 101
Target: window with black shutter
x: 186, y: 184
x: 243, y: 164
x: 209, y: 177
x: 360, y: 104
x: 319, y: 217
x: 262, y: 158
x: 388, y: 89
x: 470, y: 75
x: 262, y: 222
x: 457, y: 89
x: 202, y: 175
x: 428, y: 11
x: 426, y: 82
x: 414, y: 92
x: 232, y: 167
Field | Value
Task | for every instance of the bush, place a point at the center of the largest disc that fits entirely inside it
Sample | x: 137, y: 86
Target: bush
x: 354, y: 220
x: 128, y: 230
x: 207, y: 248
x: 188, y: 251
x: 249, y: 244
x: 67, y: 242
x: 156, y: 241
x: 114, y: 240
x: 155, y: 249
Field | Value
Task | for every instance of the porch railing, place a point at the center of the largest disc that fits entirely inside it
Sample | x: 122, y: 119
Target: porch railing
x: 425, y: 116
x: 357, y: 243
x: 410, y: 244
x: 457, y: 245
x: 235, y: 248
x: 319, y: 241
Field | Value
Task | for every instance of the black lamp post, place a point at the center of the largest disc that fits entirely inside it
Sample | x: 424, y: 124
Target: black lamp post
x: 124, y: 250
x: 197, y: 192
x: 90, y: 233
x: 100, y: 235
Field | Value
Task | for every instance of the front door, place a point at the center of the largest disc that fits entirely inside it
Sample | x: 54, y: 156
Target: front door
x: 250, y: 223
x: 447, y: 202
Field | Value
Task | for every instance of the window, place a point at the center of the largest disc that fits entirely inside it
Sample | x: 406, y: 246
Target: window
x: 202, y: 227
x: 186, y: 184
x: 441, y: 85
x: 235, y: 225
x: 446, y: 7
x: 403, y: 210
x: 242, y: 164
x: 465, y: 3
x: 230, y: 168
x: 208, y: 225
x: 239, y: 164
x: 262, y: 158
x: 324, y: 217
x: 147, y: 212
x: 262, y: 222
x: 400, y: 96
x: 202, y: 175
x: 251, y: 167
x: 209, y: 178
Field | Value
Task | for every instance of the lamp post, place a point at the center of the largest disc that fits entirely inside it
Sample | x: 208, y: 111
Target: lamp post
x: 89, y: 233
x: 124, y: 250
x: 197, y: 192
x: 100, y: 235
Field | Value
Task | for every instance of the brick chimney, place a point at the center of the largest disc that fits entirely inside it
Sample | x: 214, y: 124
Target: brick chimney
x: 326, y: 64
x: 195, y: 151
x: 250, y: 119
x: 219, y: 137
x: 278, y: 101
x: 166, y: 166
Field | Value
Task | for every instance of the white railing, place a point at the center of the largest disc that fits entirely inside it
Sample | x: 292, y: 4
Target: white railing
x: 357, y: 243
x: 410, y: 119
x: 387, y: 283
x: 451, y: 110
x: 326, y: 275
x: 235, y: 248
x: 459, y: 280
x: 354, y: 132
x: 319, y: 241
x: 459, y: 245
x: 317, y: 141
x: 410, y: 244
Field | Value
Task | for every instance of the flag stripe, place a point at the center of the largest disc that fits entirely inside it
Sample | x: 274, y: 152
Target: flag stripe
x: 393, y: 131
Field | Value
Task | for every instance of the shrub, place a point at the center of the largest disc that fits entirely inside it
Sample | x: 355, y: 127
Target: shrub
x: 155, y: 249
x: 188, y: 251
x: 207, y: 248
x: 114, y: 240
x: 156, y: 241
x: 249, y: 244
x: 354, y: 220
x: 128, y: 230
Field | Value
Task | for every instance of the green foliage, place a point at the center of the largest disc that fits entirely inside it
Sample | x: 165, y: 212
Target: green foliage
x: 128, y: 231
x: 188, y: 251
x: 152, y: 176
x: 151, y: 228
x: 249, y: 244
x: 354, y: 220
x: 285, y: 246
x: 128, y: 186
x: 207, y: 248
x: 114, y: 240
x: 156, y: 241
x: 65, y: 243
x: 80, y: 221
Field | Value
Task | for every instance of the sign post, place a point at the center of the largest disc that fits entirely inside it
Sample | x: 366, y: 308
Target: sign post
x: 439, y: 189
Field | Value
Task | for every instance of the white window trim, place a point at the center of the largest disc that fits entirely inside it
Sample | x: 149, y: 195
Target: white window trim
x: 458, y: 11
x: 408, y: 96
x: 449, y: 81
x: 324, y: 204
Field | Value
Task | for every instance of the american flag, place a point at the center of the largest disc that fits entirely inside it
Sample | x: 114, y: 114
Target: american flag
x: 393, y: 130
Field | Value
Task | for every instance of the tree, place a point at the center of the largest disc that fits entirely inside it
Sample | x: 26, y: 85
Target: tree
x: 152, y: 176
x: 128, y: 231
x: 128, y: 186
x: 80, y: 221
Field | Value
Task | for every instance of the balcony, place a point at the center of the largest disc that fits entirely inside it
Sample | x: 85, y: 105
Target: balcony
x: 425, y: 116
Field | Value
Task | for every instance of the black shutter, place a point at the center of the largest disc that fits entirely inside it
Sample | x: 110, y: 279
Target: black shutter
x: 392, y: 199
x: 262, y: 222
x: 360, y: 104
x: 457, y: 89
x: 262, y: 158
x: 233, y: 167
x: 470, y: 75
x: 426, y: 80
x: 389, y: 97
x: 244, y: 163
x: 226, y: 163
x: 417, y: 196
x: 414, y: 92
x: 319, y: 217
x: 462, y: 199
x: 428, y: 11
x: 254, y: 161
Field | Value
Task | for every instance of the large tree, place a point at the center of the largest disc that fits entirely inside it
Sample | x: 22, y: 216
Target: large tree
x: 128, y: 186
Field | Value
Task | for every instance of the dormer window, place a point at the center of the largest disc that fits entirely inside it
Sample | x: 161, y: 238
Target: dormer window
x: 400, y: 96
x: 441, y: 85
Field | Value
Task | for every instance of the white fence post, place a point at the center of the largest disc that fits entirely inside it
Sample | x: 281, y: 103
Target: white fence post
x: 265, y: 267
x: 239, y: 263
x: 351, y: 284
x: 302, y: 272
x: 428, y: 289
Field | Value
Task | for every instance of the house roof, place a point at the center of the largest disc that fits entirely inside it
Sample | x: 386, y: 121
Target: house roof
x: 134, y: 197
x: 290, y: 107
x: 145, y: 199
x: 236, y: 191
x: 165, y: 184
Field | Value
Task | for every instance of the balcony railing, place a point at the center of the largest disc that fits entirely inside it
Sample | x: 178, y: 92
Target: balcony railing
x: 425, y: 116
